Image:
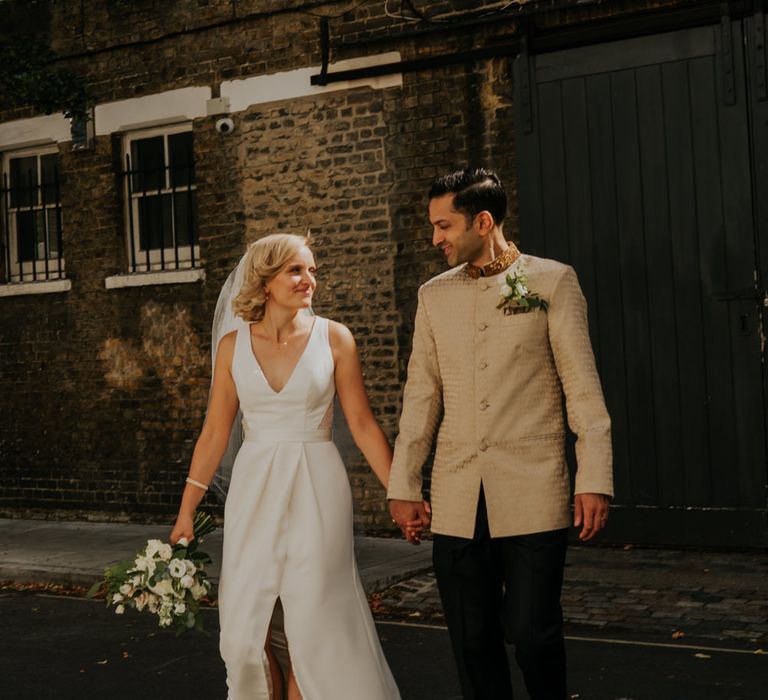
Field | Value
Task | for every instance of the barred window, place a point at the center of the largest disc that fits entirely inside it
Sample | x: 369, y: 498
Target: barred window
x: 160, y: 215
x: 30, y: 205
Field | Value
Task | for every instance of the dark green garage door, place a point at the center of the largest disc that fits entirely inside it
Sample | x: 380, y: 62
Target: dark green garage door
x: 639, y: 163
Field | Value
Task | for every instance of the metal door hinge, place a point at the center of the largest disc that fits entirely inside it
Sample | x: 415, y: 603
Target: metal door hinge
x: 759, y: 52
x: 760, y: 295
x: 726, y: 55
x: 524, y: 92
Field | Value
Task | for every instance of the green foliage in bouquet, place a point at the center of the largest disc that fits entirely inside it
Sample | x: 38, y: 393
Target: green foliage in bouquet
x: 168, y: 581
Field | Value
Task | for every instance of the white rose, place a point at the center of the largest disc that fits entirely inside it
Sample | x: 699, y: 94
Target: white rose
x: 153, y: 547
x: 179, y: 608
x: 136, y: 581
x: 190, y: 566
x: 145, y: 565
x: 505, y: 290
x: 118, y: 598
x: 165, y: 552
x: 187, y: 581
x: 120, y: 609
x: 126, y: 589
x: 176, y: 568
x: 198, y: 591
x: 522, y: 290
x: 162, y: 588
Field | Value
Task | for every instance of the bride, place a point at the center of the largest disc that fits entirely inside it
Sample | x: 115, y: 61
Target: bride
x: 288, y: 514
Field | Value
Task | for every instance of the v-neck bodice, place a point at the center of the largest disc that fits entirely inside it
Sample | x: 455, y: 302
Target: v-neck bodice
x: 305, y: 400
x: 295, y: 364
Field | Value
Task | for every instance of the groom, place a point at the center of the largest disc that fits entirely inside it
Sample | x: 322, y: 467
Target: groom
x: 499, y: 339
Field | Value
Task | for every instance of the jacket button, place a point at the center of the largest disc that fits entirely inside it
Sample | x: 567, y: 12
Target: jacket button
x: 483, y: 405
x: 483, y: 326
x: 485, y: 286
x: 483, y: 446
x: 483, y: 364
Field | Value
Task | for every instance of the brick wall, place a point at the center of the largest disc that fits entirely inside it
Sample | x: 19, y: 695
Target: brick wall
x: 320, y: 164
x: 102, y: 392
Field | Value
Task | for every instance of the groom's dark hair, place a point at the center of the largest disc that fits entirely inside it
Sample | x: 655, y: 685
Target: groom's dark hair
x: 475, y: 190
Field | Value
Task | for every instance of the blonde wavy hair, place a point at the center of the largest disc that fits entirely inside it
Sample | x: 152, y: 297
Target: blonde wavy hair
x: 264, y: 259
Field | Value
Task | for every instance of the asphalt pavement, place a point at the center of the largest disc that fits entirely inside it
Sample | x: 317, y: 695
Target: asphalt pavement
x: 62, y: 648
x: 641, y: 624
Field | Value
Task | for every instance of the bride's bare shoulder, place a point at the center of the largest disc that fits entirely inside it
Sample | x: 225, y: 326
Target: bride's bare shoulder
x: 228, y: 340
x: 226, y: 347
x: 340, y: 337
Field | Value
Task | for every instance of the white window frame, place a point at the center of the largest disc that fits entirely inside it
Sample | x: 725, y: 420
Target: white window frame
x: 165, y: 260
x: 31, y: 271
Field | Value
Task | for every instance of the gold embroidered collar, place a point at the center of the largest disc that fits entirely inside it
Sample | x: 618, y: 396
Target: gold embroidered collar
x: 497, y: 265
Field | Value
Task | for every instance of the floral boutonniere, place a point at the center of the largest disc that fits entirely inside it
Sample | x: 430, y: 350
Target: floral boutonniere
x: 516, y: 298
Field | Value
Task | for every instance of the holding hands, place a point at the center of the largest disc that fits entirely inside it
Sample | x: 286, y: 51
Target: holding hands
x: 412, y: 517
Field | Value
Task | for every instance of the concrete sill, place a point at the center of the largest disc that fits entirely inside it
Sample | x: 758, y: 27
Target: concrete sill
x: 15, y: 289
x: 144, y: 279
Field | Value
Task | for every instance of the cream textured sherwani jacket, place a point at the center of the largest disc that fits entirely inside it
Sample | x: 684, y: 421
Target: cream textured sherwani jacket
x: 491, y: 386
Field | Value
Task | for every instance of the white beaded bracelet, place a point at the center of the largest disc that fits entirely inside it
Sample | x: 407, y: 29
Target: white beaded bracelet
x: 199, y: 484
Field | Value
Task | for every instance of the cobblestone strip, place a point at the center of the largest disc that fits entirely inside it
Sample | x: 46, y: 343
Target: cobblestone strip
x: 664, y: 594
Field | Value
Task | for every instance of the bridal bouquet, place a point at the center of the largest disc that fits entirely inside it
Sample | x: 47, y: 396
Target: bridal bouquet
x: 166, y: 580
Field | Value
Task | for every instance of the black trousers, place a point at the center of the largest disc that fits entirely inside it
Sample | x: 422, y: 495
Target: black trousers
x: 506, y: 588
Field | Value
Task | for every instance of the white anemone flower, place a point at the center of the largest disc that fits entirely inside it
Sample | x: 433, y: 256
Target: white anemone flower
x: 176, y: 568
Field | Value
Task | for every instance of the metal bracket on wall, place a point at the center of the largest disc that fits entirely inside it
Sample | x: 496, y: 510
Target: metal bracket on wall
x: 726, y: 54
x: 760, y: 69
x: 524, y: 86
x: 325, y: 51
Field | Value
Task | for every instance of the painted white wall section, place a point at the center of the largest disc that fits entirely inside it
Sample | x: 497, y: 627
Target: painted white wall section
x: 23, y: 288
x: 183, y: 104
x: 144, y: 279
x: 296, y: 83
x: 34, y: 131
x: 190, y: 103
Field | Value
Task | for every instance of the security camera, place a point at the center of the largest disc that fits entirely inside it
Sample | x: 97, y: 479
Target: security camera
x: 225, y: 126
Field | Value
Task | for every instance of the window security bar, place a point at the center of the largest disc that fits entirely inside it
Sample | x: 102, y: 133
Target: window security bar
x: 31, y: 229
x: 160, y: 216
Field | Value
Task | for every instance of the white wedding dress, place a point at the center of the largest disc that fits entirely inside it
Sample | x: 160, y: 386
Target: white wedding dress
x: 288, y: 535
